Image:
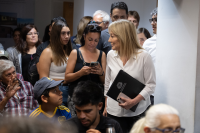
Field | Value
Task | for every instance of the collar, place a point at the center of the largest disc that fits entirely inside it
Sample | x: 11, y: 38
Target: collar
x: 116, y: 55
x: 46, y: 114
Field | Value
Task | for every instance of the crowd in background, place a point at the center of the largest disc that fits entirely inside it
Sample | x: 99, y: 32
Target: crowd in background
x: 64, y: 79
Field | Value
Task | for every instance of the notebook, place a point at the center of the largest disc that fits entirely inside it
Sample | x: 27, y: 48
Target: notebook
x: 126, y: 86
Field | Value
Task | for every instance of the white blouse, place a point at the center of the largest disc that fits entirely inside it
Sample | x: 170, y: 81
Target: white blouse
x: 141, y: 68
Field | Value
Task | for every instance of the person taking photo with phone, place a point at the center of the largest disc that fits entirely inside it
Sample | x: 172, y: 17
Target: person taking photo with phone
x: 87, y: 62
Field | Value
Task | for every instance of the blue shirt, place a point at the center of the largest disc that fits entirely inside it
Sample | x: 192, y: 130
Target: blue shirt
x: 60, y: 115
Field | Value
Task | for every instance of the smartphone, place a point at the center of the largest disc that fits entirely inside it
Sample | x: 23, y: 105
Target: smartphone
x: 122, y: 95
x: 93, y: 64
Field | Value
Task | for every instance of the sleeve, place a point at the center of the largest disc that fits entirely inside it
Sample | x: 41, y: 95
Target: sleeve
x: 107, y: 76
x: 68, y: 115
x: 149, y: 77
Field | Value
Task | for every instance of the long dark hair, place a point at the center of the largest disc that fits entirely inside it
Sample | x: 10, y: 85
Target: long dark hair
x: 87, y: 30
x: 23, y: 46
x: 56, y: 45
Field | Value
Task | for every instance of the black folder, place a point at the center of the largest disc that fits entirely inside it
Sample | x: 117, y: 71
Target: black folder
x: 125, y: 84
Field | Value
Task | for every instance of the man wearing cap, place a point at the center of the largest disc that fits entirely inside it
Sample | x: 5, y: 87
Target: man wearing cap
x: 16, y: 95
x: 48, y: 95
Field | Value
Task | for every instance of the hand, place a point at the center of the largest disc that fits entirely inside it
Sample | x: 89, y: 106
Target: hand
x: 97, y: 70
x: 86, y: 70
x: 93, y: 131
x: 128, y: 103
x: 105, y: 112
x: 12, y: 88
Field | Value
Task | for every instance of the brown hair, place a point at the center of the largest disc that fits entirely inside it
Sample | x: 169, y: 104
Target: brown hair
x: 144, y: 31
x: 81, y: 27
x: 135, y: 15
x: 23, y: 46
x: 59, y: 52
x: 125, y: 32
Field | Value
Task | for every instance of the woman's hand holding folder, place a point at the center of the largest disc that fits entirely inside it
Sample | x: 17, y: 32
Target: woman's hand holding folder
x: 128, y: 103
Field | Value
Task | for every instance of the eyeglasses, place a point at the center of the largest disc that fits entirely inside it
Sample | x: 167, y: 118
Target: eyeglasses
x: 35, y: 33
x: 94, y: 27
x: 98, y: 22
x: 154, y: 20
x: 179, y: 130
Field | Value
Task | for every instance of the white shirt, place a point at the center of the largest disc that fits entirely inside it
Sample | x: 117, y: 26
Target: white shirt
x: 150, y: 46
x: 141, y: 68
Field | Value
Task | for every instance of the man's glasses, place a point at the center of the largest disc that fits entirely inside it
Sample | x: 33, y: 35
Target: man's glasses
x: 35, y: 33
x: 154, y: 20
x: 167, y: 130
x: 98, y: 22
x: 94, y: 27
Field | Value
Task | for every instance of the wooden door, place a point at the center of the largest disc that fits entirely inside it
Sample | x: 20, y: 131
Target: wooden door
x: 68, y: 12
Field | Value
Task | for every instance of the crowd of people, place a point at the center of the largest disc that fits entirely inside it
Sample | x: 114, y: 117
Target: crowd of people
x: 64, y: 80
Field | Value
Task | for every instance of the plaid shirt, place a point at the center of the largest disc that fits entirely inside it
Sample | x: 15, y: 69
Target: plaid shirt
x: 21, y: 105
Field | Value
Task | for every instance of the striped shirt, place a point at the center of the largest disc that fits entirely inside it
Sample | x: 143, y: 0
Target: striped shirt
x: 60, y: 114
x: 21, y: 104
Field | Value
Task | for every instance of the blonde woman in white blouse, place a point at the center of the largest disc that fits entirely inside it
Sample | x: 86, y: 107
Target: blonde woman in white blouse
x: 128, y: 55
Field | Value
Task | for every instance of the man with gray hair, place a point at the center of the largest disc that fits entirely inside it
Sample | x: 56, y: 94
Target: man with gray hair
x: 102, y: 19
x: 16, y: 95
x: 150, y: 44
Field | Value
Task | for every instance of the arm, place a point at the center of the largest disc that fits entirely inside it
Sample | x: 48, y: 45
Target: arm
x: 100, y: 70
x: 150, y: 84
x: 107, y: 85
x: 103, y: 62
x: 70, y: 76
x: 46, y: 59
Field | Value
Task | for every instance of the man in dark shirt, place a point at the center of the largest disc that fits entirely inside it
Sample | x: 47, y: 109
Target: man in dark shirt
x: 119, y: 10
x: 87, y: 99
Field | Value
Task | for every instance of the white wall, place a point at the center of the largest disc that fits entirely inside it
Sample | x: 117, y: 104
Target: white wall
x: 177, y: 49
x: 144, y: 7
x: 78, y: 13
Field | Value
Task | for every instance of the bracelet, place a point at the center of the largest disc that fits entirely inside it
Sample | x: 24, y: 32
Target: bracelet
x: 102, y: 74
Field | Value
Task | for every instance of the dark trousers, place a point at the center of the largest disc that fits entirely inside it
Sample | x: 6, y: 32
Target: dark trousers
x: 126, y: 123
x: 152, y: 99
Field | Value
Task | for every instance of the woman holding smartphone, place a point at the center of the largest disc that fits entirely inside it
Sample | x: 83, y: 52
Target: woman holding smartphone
x: 87, y: 62
x: 129, y: 56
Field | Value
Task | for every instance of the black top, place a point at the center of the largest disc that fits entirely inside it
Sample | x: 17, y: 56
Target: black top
x: 78, y: 66
x: 101, y: 126
x: 25, y: 65
x: 41, y: 47
x: 39, y: 50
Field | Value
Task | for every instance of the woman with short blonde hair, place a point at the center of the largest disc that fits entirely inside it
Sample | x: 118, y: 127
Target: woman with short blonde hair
x: 129, y: 56
x: 127, y: 36
x: 159, y: 118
